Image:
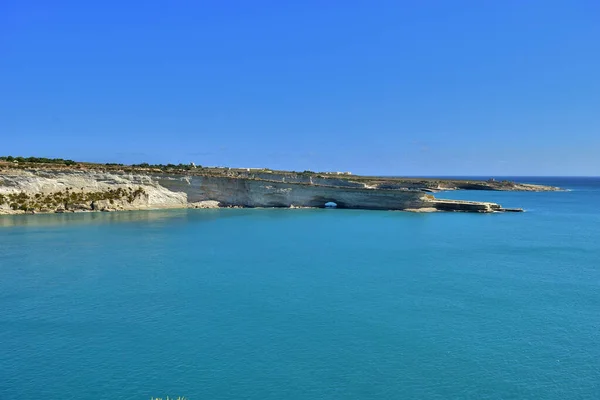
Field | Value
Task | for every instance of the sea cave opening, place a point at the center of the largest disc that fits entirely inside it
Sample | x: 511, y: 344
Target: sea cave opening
x: 331, y: 204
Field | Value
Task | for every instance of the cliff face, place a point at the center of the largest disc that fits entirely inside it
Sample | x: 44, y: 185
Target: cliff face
x: 256, y: 193
x: 48, y: 190
x: 66, y: 190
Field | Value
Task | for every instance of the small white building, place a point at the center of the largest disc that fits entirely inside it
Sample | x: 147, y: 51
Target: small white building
x: 340, y: 173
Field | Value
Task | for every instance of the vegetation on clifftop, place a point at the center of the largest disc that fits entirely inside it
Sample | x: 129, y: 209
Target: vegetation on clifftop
x: 41, y: 160
x: 33, y: 164
x: 63, y: 162
x: 164, y: 167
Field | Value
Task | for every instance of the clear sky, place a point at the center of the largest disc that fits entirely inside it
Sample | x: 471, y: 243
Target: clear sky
x: 377, y: 87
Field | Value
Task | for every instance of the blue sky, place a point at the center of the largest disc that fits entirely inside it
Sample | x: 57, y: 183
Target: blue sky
x: 374, y: 87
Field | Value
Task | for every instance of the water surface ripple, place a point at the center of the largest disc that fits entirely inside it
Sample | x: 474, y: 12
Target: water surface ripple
x: 306, y: 304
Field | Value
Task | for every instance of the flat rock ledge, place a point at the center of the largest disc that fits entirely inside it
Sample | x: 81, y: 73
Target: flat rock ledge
x: 467, y: 206
x: 422, y: 210
x: 205, y: 204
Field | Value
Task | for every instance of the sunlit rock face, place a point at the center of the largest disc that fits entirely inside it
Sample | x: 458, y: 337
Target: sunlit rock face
x: 258, y: 193
x: 39, y: 185
x: 179, y: 191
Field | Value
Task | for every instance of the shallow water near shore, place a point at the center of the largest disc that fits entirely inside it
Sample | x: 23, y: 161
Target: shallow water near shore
x: 306, y: 304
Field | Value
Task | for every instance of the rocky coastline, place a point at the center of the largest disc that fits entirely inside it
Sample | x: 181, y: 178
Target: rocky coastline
x: 83, y: 188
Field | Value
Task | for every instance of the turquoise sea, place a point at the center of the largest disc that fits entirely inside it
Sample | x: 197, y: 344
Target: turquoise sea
x: 306, y: 304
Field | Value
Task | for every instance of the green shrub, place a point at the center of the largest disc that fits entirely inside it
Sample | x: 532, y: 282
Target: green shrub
x: 41, y: 160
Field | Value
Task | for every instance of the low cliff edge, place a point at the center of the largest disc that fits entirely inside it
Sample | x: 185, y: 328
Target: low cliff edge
x: 32, y: 190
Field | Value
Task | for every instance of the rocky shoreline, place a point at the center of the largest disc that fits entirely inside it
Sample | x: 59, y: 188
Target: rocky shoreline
x: 35, y: 189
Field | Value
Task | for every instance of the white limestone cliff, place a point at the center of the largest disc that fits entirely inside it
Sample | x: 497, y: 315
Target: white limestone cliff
x: 34, y: 190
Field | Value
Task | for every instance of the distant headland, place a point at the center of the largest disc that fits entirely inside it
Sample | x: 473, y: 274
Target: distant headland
x: 36, y: 184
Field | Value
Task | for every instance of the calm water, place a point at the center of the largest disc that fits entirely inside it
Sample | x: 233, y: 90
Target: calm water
x: 306, y: 304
